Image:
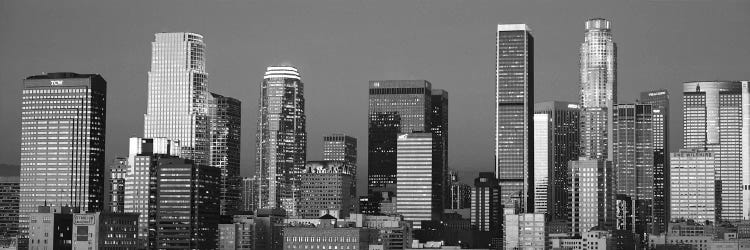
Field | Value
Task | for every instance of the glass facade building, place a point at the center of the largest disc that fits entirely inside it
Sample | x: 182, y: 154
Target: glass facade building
x: 225, y: 116
x: 514, y: 85
x: 659, y: 100
x: 63, y: 119
x: 177, y: 106
x: 592, y: 199
x: 281, y: 139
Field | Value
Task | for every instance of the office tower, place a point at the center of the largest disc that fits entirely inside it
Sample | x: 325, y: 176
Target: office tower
x: 416, y: 199
x: 439, y: 127
x: 693, y: 185
x: 269, y: 229
x: 395, y: 106
x: 249, y: 193
x: 659, y: 100
x: 486, y: 206
x: 51, y: 227
x: 178, y: 94
x: 340, y: 147
x: 328, y: 187
x: 717, y: 117
x: 115, y: 189
x: 525, y: 231
x: 225, y: 118
x: 556, y: 142
x: 281, y: 138
x: 238, y: 235
x: 10, y: 188
x: 592, y: 198
x: 105, y: 230
x: 514, y: 85
x: 185, y: 188
x: 633, y: 158
x: 63, y: 118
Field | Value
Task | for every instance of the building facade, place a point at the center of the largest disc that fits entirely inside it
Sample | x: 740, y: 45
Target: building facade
x: 281, y: 138
x: 486, y: 205
x: 105, y: 230
x: 10, y: 188
x: 693, y: 185
x: 177, y: 106
x: 115, y: 193
x: 514, y: 108
x: 525, y: 231
x: 659, y: 100
x: 416, y: 199
x: 68, y: 111
x: 240, y: 235
x: 592, y: 198
x: 328, y: 187
x: 249, y: 193
x: 51, y: 228
x: 340, y: 147
x: 225, y: 119
x: 439, y: 127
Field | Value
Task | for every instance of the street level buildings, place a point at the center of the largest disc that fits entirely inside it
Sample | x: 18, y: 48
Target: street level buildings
x: 105, y: 230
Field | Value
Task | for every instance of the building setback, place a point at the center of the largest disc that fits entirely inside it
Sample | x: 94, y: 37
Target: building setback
x: 514, y: 109
x: 659, y: 100
x: 225, y: 116
x: 281, y: 138
x: 328, y: 187
x: 63, y: 119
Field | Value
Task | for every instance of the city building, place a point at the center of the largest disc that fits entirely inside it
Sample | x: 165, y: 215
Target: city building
x: 240, y: 235
x: 716, y: 118
x: 51, y: 228
x: 249, y: 193
x: 10, y: 188
x: 525, y: 231
x: 415, y: 191
x: 459, y: 194
x: 439, y: 127
x: 67, y: 110
x: 486, y: 206
x: 693, y: 185
x: 178, y: 94
x: 281, y: 138
x: 395, y: 106
x: 592, y: 198
x: 269, y: 229
x: 340, y: 147
x: 556, y: 142
x: 225, y: 117
x: 514, y: 86
x: 598, y: 89
x: 115, y: 189
x: 328, y: 187
x: 633, y: 159
x: 393, y: 231
x: 659, y: 100
x: 105, y: 230
x: 327, y: 235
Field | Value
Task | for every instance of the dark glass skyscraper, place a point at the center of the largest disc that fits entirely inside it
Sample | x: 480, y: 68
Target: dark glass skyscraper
x: 281, y: 139
x: 439, y: 128
x: 225, y: 117
x: 62, y: 142
x: 514, y: 85
x: 659, y: 100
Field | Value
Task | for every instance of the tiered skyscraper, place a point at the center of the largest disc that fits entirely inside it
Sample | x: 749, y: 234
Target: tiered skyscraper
x: 514, y: 109
x: 659, y: 100
x: 63, y: 117
x: 281, y: 138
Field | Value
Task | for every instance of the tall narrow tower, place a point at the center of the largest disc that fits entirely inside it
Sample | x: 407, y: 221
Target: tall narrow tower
x: 281, y: 138
x: 514, y: 114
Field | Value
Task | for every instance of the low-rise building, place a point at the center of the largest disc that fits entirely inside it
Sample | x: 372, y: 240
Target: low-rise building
x: 51, y: 228
x: 106, y: 231
x: 326, y: 235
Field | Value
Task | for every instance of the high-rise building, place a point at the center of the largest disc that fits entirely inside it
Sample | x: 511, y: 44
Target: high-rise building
x: 328, y: 187
x: 598, y: 89
x: 633, y: 159
x: 249, y: 193
x: 225, y: 116
x: 439, y: 127
x: 556, y: 142
x: 115, y: 193
x: 693, y: 185
x: 592, y: 198
x: 659, y: 100
x: 340, y: 147
x: 459, y: 194
x: 281, y: 138
x: 525, y: 231
x: 10, y: 187
x: 177, y: 106
x: 486, y: 206
x: 717, y: 118
x: 416, y: 199
x: 63, y: 118
x: 395, y: 106
x: 514, y: 109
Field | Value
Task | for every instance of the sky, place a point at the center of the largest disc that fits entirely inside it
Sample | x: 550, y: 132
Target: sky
x: 341, y: 45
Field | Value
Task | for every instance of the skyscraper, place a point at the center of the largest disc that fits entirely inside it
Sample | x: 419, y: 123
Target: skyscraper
x: 486, y: 206
x: 693, y: 185
x: 249, y: 193
x: 439, y: 127
x: 717, y: 118
x: 556, y: 142
x: 598, y: 89
x: 115, y: 195
x: 281, y: 138
x: 340, y: 147
x: 328, y: 187
x: 395, y: 106
x: 225, y: 116
x: 178, y: 94
x: 63, y: 117
x: 514, y: 85
x: 416, y: 199
x: 659, y: 100
x: 592, y: 198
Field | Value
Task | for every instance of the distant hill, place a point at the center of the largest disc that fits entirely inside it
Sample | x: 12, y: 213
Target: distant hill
x: 10, y: 170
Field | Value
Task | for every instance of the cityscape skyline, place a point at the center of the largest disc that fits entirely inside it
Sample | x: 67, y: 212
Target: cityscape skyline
x: 317, y: 76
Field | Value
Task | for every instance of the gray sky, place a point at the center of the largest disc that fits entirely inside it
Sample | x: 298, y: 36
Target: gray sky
x: 341, y: 45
